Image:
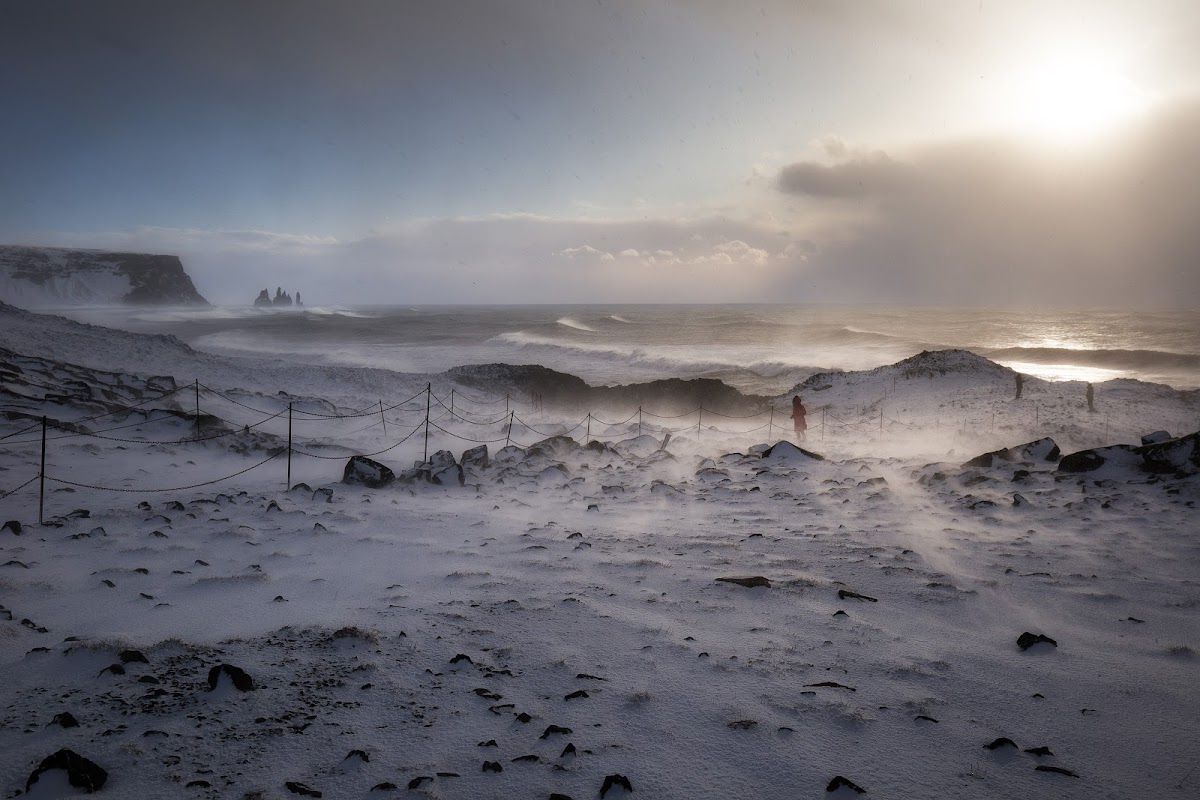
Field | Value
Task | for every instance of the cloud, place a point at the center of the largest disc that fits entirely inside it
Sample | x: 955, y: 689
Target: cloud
x: 994, y: 221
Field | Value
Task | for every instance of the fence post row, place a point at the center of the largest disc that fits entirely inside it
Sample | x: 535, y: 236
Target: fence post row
x: 383, y: 419
x: 588, y: 439
x: 699, y: 419
x: 508, y: 436
x: 197, y: 385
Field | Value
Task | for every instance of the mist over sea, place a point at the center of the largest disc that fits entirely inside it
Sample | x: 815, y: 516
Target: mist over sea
x: 762, y: 349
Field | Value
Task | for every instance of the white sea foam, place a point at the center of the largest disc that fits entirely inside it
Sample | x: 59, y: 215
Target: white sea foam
x: 571, y: 323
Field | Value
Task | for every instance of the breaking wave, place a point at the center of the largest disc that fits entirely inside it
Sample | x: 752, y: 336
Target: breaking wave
x: 570, y: 323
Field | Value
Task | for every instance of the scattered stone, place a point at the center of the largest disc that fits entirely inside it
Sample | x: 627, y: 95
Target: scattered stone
x: 1039, y: 751
x: 66, y: 719
x: 241, y: 681
x: 461, y: 657
x: 1003, y: 741
x: 1132, y: 619
x: 1027, y: 640
x: 553, y: 729
x: 569, y: 750
x: 417, y: 781
x: 372, y: 474
x: 615, y: 780
x: 832, y: 685
x: 840, y: 613
x: 296, y: 787
x: 1056, y: 770
x: 925, y: 718
x: 488, y: 743
x: 524, y: 718
x: 525, y: 758
x: 361, y: 755
x: 492, y: 766
x: 743, y: 724
x: 578, y: 694
x: 386, y: 786
x: 12, y: 525
x: 839, y: 782
x: 843, y: 594
x: 115, y: 669
x: 749, y: 583
x: 198, y: 784
x: 81, y: 773
x: 132, y: 657
x: 109, y: 583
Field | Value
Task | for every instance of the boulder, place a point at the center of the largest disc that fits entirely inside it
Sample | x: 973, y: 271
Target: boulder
x: 788, y: 453
x: 1039, y: 450
x: 476, y: 457
x: 438, y: 461
x: 449, y: 476
x: 81, y: 773
x: 1180, y: 455
x: 241, y: 680
x: 12, y: 525
x: 1156, y: 437
x: 1117, y: 455
x: 372, y: 474
x: 554, y: 447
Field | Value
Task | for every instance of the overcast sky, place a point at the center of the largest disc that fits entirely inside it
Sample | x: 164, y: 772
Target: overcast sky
x: 984, y: 152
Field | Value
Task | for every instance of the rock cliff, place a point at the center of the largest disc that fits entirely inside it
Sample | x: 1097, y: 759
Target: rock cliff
x: 53, y: 276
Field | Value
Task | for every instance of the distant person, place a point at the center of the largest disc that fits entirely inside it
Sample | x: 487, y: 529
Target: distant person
x: 1091, y: 396
x: 1020, y: 385
x: 799, y: 423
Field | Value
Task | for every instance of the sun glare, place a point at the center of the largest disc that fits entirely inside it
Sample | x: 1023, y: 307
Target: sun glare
x: 1073, y: 96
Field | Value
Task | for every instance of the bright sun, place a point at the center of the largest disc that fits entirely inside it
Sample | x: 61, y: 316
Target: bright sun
x: 1074, y: 96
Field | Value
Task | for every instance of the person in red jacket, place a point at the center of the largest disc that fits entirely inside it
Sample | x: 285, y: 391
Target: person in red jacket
x: 798, y: 414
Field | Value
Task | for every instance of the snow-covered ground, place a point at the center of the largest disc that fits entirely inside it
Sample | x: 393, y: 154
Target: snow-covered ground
x: 560, y: 615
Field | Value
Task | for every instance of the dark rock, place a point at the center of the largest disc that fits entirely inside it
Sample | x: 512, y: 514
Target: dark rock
x: 361, y: 755
x: 296, y: 787
x: 925, y: 718
x: 417, y: 781
x: 66, y: 719
x: 742, y: 724
x: 553, y: 729
x: 488, y: 743
x: 1027, y: 640
x: 1122, y: 455
x: 557, y: 796
x: 386, y: 786
x: 263, y: 300
x: 492, y: 766
x: 476, y: 457
x: 198, y: 784
x: 241, y: 681
x: 569, y: 750
x: 578, y: 694
x: 324, y: 494
x: 372, y: 474
x: 846, y: 593
x: 832, y: 685
x: 1156, y: 438
x: 81, y: 773
x: 524, y: 718
x: 115, y: 669
x: 786, y: 451
x: 461, y: 657
x: 1003, y: 741
x: 12, y: 525
x: 1040, y: 450
x: 1180, y: 455
x: 529, y: 758
x: 839, y: 782
x: 749, y: 583
x: 1039, y: 751
x: 615, y: 780
x: 1056, y: 770
x: 132, y: 657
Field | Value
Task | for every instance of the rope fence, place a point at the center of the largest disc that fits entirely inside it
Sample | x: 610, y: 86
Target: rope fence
x: 481, y: 429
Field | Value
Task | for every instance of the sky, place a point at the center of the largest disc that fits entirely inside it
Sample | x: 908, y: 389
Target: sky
x: 530, y: 151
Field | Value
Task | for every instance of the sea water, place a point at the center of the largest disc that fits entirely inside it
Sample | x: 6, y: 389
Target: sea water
x: 762, y: 349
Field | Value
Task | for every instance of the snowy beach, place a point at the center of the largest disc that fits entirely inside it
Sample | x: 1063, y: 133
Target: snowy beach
x: 560, y: 616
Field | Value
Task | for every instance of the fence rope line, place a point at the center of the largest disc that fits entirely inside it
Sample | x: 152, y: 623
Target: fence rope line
x: 277, y: 454
x: 239, y: 427
x: 467, y: 438
x: 674, y: 416
x: 18, y: 433
x: 614, y: 424
x: 579, y: 425
x: 19, y: 488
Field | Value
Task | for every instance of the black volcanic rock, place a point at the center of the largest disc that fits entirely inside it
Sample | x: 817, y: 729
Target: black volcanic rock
x: 372, y: 474
x: 263, y: 300
x: 58, y: 276
x: 81, y: 773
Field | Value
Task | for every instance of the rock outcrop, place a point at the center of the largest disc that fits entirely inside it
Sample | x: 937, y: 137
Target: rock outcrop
x: 281, y: 299
x: 53, y: 276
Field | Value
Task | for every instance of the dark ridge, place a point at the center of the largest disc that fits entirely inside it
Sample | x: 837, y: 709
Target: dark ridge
x: 668, y: 396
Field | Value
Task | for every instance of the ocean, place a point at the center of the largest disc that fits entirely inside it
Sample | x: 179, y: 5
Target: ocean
x: 760, y: 349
